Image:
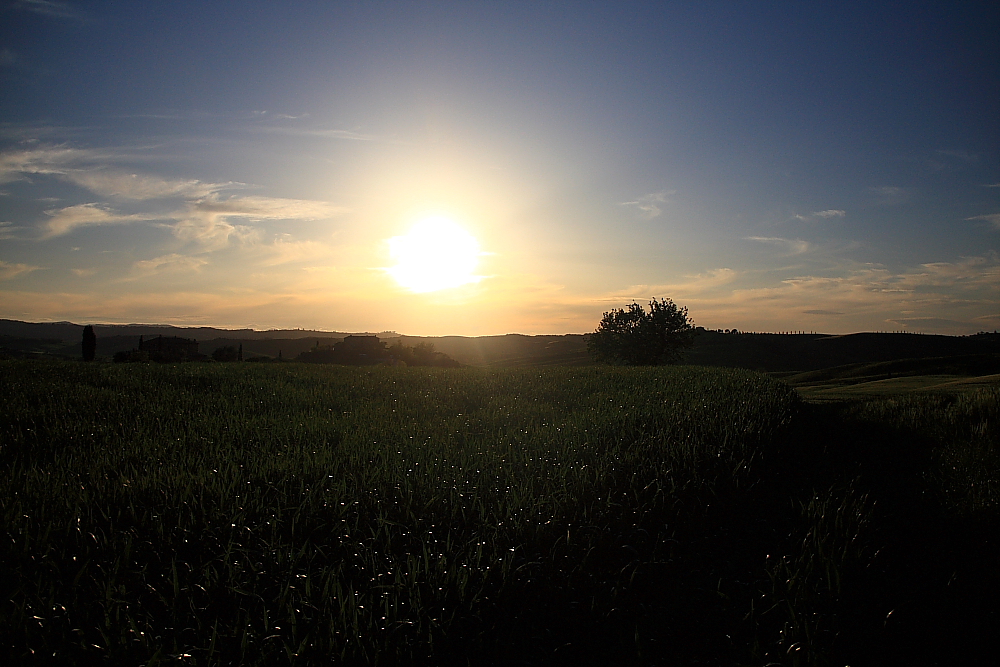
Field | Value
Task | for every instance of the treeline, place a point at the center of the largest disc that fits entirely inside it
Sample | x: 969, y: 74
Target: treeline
x: 369, y: 350
x: 352, y: 351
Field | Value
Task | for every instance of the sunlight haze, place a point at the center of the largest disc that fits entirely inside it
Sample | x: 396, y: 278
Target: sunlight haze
x: 435, y: 254
x: 772, y: 166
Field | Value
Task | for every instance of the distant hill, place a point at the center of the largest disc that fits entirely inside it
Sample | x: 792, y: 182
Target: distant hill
x: 763, y: 352
x: 69, y: 331
x: 510, y: 350
x: 958, y: 365
x: 288, y: 348
x: 808, y: 352
x: 774, y: 353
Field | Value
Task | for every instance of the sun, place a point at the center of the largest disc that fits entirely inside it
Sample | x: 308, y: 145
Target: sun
x: 435, y: 254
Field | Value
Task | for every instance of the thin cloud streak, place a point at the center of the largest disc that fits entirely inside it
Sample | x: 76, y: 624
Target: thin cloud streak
x: 267, y: 208
x: 992, y: 218
x: 790, y: 246
x: 92, y: 170
x: 64, y: 220
x: 651, y: 205
x: 890, y: 195
x: 171, y: 262
x: 59, y: 10
x: 208, y: 221
x: 44, y: 160
x: 9, y: 270
x: 286, y: 251
x: 963, y: 156
x: 345, y: 135
x: 824, y: 215
x: 137, y: 187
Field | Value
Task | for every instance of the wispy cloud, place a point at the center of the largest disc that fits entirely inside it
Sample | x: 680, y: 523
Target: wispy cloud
x: 889, y: 195
x: 171, y: 262
x: 950, y: 160
x: 64, y: 220
x: 9, y: 270
x: 968, y: 273
x: 284, y: 250
x: 823, y: 215
x: 267, y: 208
x: 992, y: 218
x: 692, y: 286
x: 124, y: 185
x: 823, y: 312
x: 931, y: 324
x: 962, y: 156
x: 344, y: 135
x: 91, y: 169
x: 199, y: 213
x: 788, y: 246
x: 278, y: 116
x: 213, y: 232
x: 651, y: 205
x: 59, y: 10
x: 992, y: 319
x: 208, y: 221
x: 40, y: 160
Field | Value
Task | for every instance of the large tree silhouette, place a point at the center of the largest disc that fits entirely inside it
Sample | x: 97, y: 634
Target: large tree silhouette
x: 633, y: 337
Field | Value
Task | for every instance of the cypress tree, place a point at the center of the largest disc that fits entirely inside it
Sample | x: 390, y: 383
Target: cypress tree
x: 89, y: 343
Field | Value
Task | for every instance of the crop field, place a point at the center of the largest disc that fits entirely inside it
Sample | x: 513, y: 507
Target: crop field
x: 277, y: 514
x: 882, y: 387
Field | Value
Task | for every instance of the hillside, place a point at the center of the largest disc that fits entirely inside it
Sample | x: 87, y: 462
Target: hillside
x: 807, y: 352
x: 511, y: 350
x: 772, y: 353
x: 70, y: 332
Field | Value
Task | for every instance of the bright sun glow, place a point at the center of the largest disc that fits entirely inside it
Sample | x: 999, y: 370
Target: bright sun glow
x: 435, y: 254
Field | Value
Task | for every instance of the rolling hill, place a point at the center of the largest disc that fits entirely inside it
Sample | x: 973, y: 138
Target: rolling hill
x: 784, y: 354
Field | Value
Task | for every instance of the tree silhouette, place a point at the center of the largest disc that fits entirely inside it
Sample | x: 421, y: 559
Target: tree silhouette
x: 421, y: 354
x: 89, y: 343
x: 634, y: 337
x: 226, y: 353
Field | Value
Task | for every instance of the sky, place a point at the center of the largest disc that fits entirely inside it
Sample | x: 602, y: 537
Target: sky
x: 772, y: 166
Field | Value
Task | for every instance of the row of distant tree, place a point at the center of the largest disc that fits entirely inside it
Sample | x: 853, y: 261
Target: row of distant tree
x: 352, y: 351
x: 370, y: 350
x: 633, y: 336
x: 629, y: 336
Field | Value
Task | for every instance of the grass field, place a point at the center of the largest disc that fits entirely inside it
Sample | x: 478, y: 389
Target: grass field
x: 299, y: 514
x: 940, y: 375
x: 874, y: 388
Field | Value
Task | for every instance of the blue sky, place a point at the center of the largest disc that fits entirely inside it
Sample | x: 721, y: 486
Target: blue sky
x: 771, y: 165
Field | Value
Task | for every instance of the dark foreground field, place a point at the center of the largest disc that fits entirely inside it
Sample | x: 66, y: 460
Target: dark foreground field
x: 246, y: 514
